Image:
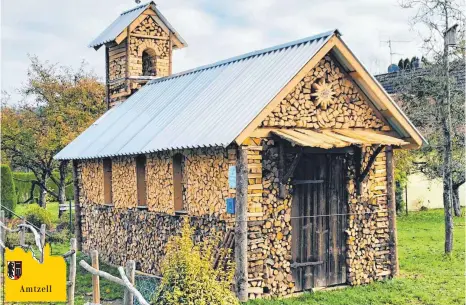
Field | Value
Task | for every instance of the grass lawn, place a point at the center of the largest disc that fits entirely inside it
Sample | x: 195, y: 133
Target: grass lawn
x: 427, y: 276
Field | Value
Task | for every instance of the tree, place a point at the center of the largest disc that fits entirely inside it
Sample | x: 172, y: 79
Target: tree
x: 59, y: 103
x: 436, y: 16
x: 421, y: 97
x: 8, y: 195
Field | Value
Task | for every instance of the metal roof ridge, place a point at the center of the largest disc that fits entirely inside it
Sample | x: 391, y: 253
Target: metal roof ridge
x: 247, y: 55
x: 137, y: 7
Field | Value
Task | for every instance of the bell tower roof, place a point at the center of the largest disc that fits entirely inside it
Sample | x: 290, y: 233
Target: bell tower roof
x: 117, y: 30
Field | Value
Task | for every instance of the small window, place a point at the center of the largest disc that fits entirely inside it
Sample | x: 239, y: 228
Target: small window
x: 108, y: 181
x: 177, y: 182
x: 149, y: 62
x: 141, y: 180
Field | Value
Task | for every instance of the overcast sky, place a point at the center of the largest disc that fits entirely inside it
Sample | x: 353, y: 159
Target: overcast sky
x: 60, y: 30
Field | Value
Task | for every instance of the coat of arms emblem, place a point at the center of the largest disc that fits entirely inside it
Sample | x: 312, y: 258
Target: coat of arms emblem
x: 15, y: 269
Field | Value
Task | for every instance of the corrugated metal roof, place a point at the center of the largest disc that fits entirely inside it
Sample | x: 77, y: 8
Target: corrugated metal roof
x: 336, y: 138
x: 124, y: 20
x: 207, y: 106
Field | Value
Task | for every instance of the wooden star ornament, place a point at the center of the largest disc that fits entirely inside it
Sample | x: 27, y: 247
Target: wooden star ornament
x: 323, y: 94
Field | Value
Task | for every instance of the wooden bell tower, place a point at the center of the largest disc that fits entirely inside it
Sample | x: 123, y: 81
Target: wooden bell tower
x: 138, y: 48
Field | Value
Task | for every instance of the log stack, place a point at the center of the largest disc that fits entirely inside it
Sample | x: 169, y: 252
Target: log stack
x: 124, y: 187
x: 123, y: 234
x: 92, y: 181
x: 159, y: 180
x: 367, y: 242
x: 324, y: 98
x: 205, y: 180
x: 117, y: 61
x: 149, y: 27
x: 277, y: 228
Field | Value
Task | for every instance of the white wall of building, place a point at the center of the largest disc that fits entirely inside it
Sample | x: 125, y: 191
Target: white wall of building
x: 425, y: 192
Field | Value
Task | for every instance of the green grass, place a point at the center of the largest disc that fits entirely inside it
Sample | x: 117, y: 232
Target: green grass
x: 427, y: 276
x: 52, y: 207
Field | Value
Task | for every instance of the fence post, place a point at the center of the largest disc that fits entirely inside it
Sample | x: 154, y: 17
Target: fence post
x: 22, y: 233
x: 130, y: 274
x: 42, y: 241
x: 70, y: 216
x: 95, y: 278
x: 72, y: 274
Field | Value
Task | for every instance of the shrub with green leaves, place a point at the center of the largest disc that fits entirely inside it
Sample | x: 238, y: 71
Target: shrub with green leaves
x: 38, y: 216
x: 8, y: 196
x: 188, y: 275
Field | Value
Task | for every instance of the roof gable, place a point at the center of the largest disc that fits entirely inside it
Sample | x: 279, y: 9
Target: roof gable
x: 116, y: 30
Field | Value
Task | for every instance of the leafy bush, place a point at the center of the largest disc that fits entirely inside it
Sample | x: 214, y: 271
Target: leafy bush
x: 8, y: 196
x: 38, y: 216
x: 65, y: 222
x: 59, y: 237
x: 188, y: 276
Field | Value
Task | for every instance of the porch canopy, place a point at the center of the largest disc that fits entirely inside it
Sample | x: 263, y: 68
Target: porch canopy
x: 337, y: 138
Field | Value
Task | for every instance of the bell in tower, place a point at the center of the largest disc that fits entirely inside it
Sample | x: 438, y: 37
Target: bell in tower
x: 138, y: 48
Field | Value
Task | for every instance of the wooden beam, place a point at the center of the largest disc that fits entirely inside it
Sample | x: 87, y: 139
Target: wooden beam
x: 376, y: 93
x: 315, y: 150
x: 371, y: 161
x: 391, y: 202
x: 77, y: 206
x: 72, y: 271
x: 292, y: 167
x: 149, y: 36
x: 281, y: 168
x: 288, y: 87
x: 241, y: 226
x: 95, y: 278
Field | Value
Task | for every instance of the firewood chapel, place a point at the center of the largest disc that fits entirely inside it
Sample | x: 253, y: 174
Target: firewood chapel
x: 286, y: 153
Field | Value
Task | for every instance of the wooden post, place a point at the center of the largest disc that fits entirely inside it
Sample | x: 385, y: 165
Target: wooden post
x: 22, y: 233
x: 130, y: 274
x: 281, y: 170
x: 42, y: 240
x: 77, y: 206
x: 72, y: 273
x: 392, y: 210
x: 241, y: 228
x: 95, y: 278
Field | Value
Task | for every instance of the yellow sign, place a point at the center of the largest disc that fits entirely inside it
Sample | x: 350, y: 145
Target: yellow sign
x: 28, y: 280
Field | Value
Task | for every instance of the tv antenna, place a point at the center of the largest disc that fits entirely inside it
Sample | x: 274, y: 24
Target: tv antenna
x: 390, y: 46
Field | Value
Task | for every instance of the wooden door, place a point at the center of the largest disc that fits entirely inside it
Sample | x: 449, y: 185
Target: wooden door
x: 319, y: 223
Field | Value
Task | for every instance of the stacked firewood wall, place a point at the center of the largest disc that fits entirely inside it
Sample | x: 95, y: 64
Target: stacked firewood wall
x: 92, y: 172
x: 117, y: 61
x: 159, y: 180
x: 151, y: 37
x: 123, y: 234
x: 368, y: 246
x: 124, y: 187
x: 277, y: 278
x: 116, y: 231
x: 324, y: 98
x: 206, y: 181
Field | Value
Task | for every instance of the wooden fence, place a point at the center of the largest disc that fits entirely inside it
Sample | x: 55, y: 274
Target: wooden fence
x: 127, y: 274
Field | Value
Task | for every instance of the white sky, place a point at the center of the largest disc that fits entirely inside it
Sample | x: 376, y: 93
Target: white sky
x: 60, y: 30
